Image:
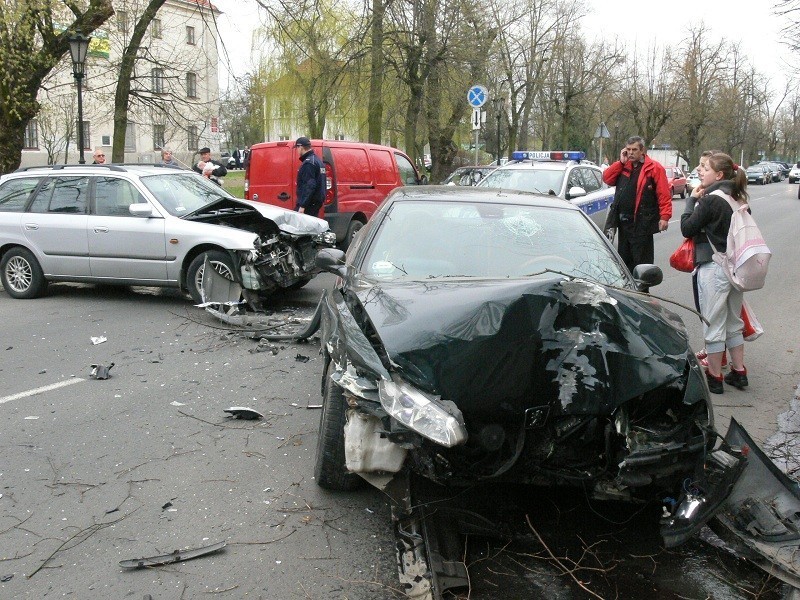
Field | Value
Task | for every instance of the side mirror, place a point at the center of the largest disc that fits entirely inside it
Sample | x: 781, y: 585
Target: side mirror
x: 141, y: 210
x: 421, y: 181
x: 575, y: 192
x: 647, y: 276
x: 332, y: 261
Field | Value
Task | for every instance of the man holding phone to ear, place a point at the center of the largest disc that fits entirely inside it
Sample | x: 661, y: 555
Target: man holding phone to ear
x: 642, y: 203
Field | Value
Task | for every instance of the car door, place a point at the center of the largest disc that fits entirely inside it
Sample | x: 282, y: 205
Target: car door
x: 55, y: 226
x: 121, y: 246
x: 598, y: 196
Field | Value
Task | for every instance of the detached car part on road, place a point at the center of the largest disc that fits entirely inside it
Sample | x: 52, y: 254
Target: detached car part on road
x: 478, y: 336
x: 147, y: 225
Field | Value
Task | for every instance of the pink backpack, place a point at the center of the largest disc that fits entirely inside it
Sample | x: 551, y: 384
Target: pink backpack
x: 747, y: 257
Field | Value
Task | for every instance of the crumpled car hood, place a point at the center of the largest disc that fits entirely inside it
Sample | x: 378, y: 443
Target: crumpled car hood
x: 287, y: 221
x: 481, y: 343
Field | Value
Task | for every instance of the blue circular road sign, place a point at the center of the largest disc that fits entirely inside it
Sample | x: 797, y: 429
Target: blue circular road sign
x: 477, y: 96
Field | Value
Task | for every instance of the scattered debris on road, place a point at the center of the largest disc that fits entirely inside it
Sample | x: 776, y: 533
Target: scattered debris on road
x: 243, y: 412
x: 167, y: 559
x: 101, y: 371
x: 99, y: 339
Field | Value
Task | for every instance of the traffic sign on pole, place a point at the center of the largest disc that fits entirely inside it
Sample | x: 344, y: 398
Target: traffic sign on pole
x: 477, y: 96
x: 476, y: 119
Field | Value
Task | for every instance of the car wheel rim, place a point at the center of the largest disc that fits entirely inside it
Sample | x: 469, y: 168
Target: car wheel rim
x: 218, y: 266
x: 19, y: 274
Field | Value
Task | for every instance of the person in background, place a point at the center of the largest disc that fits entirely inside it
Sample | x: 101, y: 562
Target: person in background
x: 707, y: 218
x: 704, y: 251
x: 99, y: 156
x: 311, y: 179
x: 642, y: 203
x: 168, y: 160
x: 208, y: 168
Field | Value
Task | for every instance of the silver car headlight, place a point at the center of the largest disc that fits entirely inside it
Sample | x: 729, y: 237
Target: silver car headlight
x: 421, y: 412
x: 328, y: 237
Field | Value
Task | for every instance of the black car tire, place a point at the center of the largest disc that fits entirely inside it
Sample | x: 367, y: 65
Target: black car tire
x: 21, y: 274
x: 352, y: 229
x: 221, y: 263
x: 683, y: 193
x: 330, y: 470
x: 672, y: 192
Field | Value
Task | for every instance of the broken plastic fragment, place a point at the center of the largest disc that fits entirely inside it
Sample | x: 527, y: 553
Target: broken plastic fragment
x: 301, y: 358
x: 243, y: 412
x: 166, y: 559
x: 99, y: 339
x: 100, y: 371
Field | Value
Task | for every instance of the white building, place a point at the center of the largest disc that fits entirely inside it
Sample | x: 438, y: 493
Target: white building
x: 174, y: 99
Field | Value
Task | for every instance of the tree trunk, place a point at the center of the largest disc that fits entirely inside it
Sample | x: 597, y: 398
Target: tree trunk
x: 123, y: 91
x: 375, y: 109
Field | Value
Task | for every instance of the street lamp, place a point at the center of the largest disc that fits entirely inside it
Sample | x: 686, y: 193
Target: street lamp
x: 498, y: 103
x: 78, y: 47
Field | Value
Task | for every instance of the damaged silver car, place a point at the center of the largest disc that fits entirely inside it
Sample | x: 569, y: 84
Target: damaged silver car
x: 147, y: 225
x: 478, y: 335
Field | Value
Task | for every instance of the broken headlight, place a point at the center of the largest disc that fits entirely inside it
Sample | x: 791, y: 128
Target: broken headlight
x: 421, y: 412
x: 328, y: 238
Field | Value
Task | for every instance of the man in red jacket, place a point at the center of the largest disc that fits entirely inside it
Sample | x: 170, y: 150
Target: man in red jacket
x: 642, y: 203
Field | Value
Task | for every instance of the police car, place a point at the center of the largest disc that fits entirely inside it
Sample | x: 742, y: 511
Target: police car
x: 565, y: 174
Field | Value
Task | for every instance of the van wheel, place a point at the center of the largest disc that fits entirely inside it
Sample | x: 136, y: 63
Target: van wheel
x: 221, y: 263
x: 21, y: 274
x: 330, y: 469
x: 354, y: 227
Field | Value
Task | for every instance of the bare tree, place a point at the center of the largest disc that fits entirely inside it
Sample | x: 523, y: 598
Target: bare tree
x: 31, y: 44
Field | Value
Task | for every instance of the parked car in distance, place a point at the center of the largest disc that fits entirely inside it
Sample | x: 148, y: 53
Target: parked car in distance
x: 467, y: 175
x: 676, y: 180
x: 146, y: 225
x: 360, y: 176
x: 692, y: 181
x: 758, y: 174
x: 775, y: 169
x: 477, y: 335
x: 794, y: 173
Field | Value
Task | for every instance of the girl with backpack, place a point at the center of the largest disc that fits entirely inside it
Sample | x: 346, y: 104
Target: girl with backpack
x: 707, y: 218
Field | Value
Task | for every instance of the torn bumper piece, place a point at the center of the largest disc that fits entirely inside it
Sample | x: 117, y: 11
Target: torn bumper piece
x: 761, y: 517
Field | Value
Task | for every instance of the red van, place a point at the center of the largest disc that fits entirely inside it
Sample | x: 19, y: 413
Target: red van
x: 360, y: 176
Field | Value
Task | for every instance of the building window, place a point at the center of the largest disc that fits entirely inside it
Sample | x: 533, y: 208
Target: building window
x: 157, y: 76
x: 155, y: 28
x: 339, y: 136
x: 31, y: 141
x: 283, y: 138
x: 159, y: 137
x: 190, y: 35
x: 122, y: 20
x: 194, y: 139
x: 191, y: 85
x: 130, y: 137
x: 105, y: 140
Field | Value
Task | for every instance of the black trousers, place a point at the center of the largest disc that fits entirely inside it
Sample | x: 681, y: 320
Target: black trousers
x: 634, y: 248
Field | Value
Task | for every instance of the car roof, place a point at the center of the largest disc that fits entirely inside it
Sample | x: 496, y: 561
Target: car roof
x: 449, y: 193
x: 134, y: 168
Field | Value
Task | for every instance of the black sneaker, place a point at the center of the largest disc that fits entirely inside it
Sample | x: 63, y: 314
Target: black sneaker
x: 714, y: 384
x: 737, y: 379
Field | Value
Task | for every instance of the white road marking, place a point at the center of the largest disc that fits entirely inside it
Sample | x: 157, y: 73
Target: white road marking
x: 41, y: 390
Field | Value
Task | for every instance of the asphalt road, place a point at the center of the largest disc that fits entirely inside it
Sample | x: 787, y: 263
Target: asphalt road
x: 146, y: 462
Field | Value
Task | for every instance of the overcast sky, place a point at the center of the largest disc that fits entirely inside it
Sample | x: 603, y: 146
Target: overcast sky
x: 753, y: 23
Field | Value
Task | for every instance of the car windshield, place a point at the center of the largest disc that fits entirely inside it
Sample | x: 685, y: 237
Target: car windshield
x: 183, y: 193
x: 422, y: 240
x: 526, y: 180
